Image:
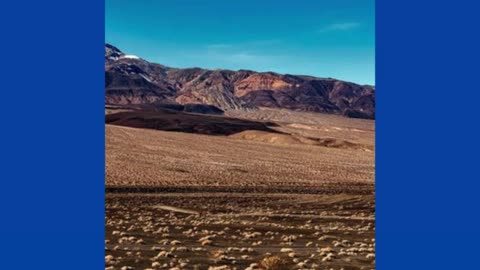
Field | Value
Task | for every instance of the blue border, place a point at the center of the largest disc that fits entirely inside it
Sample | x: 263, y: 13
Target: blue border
x: 427, y: 180
x: 52, y: 135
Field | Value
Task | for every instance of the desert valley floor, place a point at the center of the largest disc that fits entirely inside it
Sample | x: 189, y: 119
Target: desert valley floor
x: 296, y: 191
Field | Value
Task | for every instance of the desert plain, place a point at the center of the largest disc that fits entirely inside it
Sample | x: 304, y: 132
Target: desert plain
x: 259, y: 189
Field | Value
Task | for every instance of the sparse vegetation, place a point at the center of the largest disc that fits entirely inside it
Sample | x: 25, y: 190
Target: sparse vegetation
x: 273, y: 263
x: 231, y: 222
x: 189, y: 201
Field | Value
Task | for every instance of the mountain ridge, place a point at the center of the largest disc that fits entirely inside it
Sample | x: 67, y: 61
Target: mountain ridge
x: 132, y: 80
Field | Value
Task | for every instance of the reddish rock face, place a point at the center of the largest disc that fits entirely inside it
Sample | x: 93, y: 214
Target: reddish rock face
x: 262, y: 81
x: 129, y: 80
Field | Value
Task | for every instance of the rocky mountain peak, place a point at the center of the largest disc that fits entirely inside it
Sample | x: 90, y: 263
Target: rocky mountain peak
x: 132, y: 80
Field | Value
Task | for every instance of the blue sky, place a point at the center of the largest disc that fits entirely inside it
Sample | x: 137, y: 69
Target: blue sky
x: 323, y: 38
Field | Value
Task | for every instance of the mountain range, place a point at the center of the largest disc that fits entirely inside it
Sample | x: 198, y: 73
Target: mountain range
x: 131, y: 80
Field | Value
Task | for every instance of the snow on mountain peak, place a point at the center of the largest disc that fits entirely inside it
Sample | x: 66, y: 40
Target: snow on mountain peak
x: 130, y: 56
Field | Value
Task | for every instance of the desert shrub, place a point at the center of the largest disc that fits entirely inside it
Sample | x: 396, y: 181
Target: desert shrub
x: 273, y: 263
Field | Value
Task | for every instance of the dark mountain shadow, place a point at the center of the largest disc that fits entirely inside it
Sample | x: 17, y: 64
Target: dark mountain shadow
x: 179, y: 121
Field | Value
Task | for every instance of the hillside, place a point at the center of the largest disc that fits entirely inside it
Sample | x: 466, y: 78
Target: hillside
x: 132, y: 80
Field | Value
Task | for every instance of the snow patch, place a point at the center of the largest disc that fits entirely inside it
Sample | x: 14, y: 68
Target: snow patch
x: 130, y: 56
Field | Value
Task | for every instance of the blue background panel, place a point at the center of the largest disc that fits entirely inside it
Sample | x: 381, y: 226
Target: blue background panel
x: 427, y: 134
x: 52, y: 135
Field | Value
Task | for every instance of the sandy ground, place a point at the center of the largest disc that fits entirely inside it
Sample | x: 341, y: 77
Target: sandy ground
x: 140, y: 157
x: 302, y: 199
x: 238, y: 230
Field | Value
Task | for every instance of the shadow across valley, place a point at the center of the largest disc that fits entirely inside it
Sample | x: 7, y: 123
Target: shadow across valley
x: 179, y: 121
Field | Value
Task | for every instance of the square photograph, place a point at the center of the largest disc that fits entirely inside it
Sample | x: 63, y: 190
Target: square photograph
x: 240, y: 135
